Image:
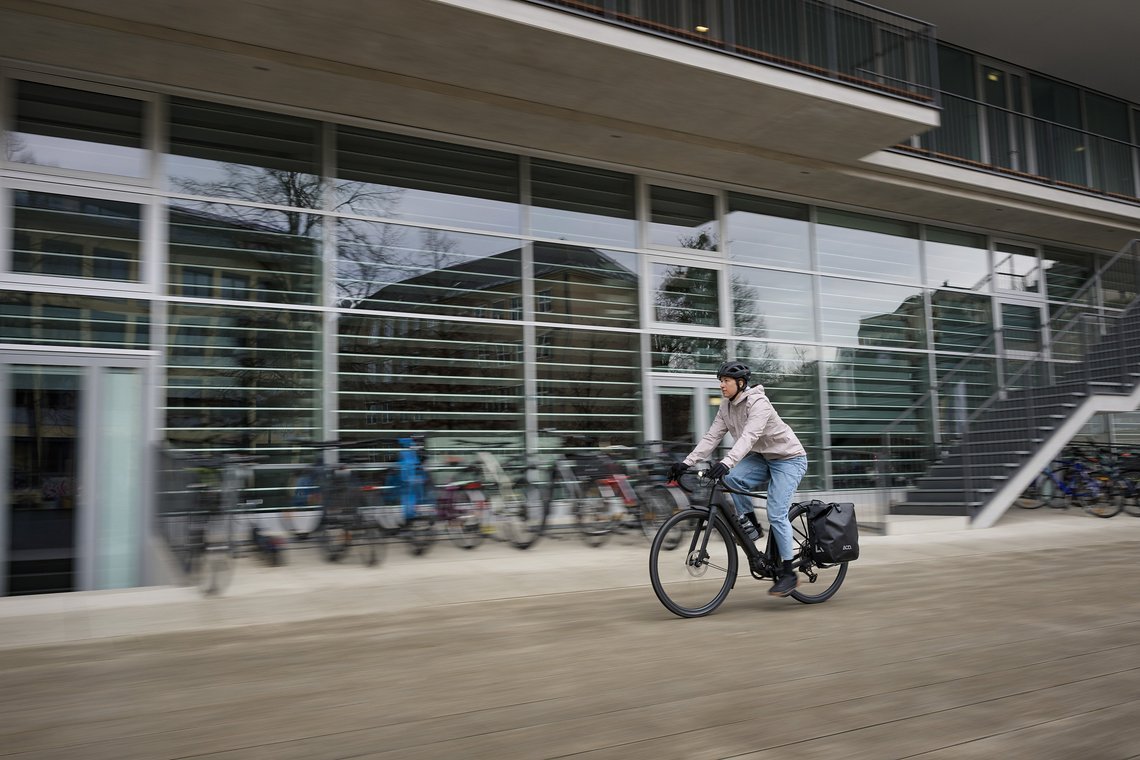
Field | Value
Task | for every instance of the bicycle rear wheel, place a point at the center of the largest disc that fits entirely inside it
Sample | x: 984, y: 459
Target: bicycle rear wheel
x: 465, y: 521
x: 528, y: 516
x: 594, y: 517
x: 212, y: 568
x: 367, y: 541
x: 818, y: 581
x: 689, y: 580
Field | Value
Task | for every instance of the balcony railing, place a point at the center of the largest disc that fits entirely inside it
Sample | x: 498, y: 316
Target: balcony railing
x: 842, y: 40
x: 998, y: 139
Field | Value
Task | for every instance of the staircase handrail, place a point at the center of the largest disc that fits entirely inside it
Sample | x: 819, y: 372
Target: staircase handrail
x: 1078, y: 298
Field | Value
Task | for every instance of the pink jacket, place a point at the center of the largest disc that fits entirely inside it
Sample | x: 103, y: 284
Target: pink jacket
x: 755, y: 427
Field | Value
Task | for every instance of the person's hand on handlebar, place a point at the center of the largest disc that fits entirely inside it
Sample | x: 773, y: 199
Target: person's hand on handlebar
x: 718, y: 471
x: 676, y: 470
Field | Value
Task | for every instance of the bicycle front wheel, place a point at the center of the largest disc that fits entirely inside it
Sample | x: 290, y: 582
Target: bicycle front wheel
x: 692, y: 563
x: 818, y: 581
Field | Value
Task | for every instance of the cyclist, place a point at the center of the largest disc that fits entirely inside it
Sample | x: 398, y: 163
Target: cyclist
x: 765, y: 452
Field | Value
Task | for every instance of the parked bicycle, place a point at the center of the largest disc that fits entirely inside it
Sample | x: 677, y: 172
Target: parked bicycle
x: 1092, y: 481
x: 515, y: 509
x: 345, y: 526
x: 694, y: 561
x: 201, y: 496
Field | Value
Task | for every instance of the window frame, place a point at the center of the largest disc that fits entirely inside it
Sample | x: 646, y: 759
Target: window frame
x: 152, y: 108
x: 148, y: 224
x: 649, y: 313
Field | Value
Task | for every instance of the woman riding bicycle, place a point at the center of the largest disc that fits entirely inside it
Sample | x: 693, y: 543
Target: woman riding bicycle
x: 765, y: 452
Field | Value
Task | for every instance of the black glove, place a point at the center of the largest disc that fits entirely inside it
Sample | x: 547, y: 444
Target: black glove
x: 676, y: 470
x: 718, y: 471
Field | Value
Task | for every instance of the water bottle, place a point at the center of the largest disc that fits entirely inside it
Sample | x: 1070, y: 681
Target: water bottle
x: 748, y: 528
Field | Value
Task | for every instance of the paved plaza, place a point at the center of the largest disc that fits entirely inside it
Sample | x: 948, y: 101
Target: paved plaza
x: 1020, y: 641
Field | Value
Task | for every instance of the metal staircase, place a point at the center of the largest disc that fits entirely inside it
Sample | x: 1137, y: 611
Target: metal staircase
x: 1090, y: 364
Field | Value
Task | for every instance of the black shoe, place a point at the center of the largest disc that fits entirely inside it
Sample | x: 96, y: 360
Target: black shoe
x: 786, y: 582
x: 746, y: 525
x: 755, y: 523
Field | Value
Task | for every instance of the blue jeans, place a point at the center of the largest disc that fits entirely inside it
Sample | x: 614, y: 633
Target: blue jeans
x: 782, y: 478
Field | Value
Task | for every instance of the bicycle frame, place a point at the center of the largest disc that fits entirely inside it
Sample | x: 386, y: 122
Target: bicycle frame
x: 760, y: 562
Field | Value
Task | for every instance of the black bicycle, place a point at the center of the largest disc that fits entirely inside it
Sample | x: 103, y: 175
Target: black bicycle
x: 693, y: 561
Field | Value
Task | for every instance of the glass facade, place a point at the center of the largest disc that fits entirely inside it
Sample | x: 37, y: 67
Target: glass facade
x: 386, y: 285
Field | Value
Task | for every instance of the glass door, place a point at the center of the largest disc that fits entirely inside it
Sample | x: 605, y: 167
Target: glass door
x: 684, y: 411
x: 43, y: 453
x: 72, y: 515
x: 1020, y: 316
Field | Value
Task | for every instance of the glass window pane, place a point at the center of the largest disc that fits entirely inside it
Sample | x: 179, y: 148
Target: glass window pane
x: 413, y: 269
x: 763, y: 231
x: 790, y: 376
x: 589, y: 384
x: 244, y: 252
x: 771, y: 304
x: 413, y: 375
x: 240, y: 154
x: 582, y: 204
x: 585, y: 286
x: 1020, y: 327
x: 866, y: 390
x: 1016, y: 269
x: 682, y: 219
x: 964, y: 385
x: 867, y: 246
x: 409, y: 179
x: 961, y: 321
x: 79, y: 130
x: 956, y: 259
x: 242, y: 376
x: 70, y: 236
x: 685, y: 353
x: 1066, y: 272
x: 686, y: 295
x: 857, y: 313
x: 68, y: 320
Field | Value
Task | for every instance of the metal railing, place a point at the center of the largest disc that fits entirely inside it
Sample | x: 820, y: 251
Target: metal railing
x: 1027, y: 147
x: 842, y: 40
x: 1074, y: 330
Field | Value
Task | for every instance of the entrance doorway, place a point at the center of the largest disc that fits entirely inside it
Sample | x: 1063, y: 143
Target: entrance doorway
x: 73, y: 508
x: 1019, y: 305
x: 684, y: 410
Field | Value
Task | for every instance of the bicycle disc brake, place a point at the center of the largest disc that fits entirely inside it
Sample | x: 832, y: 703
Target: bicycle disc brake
x: 697, y: 563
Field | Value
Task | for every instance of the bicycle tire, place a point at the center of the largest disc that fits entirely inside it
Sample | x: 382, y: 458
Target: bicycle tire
x: 1031, y: 497
x: 592, y: 516
x: 1132, y: 500
x: 368, y: 542
x: 528, y: 517
x: 465, y: 524
x: 655, y: 506
x: 679, y: 574
x: 420, y: 534
x: 831, y: 576
x: 215, y: 562
x: 1109, y: 502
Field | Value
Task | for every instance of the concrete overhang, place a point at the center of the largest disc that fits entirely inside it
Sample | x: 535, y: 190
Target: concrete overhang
x: 663, y: 108
x: 388, y: 60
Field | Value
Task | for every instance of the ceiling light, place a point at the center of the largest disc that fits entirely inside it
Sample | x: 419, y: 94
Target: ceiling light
x: 702, y: 28
x: 993, y: 76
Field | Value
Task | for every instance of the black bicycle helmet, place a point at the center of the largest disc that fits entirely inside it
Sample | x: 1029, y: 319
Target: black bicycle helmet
x: 735, y: 369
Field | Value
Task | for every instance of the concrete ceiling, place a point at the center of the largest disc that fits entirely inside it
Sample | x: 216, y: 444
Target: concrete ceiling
x: 435, y: 65
x: 1091, y: 43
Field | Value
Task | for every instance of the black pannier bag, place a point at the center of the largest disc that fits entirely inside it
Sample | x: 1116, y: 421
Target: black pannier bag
x: 833, y: 532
